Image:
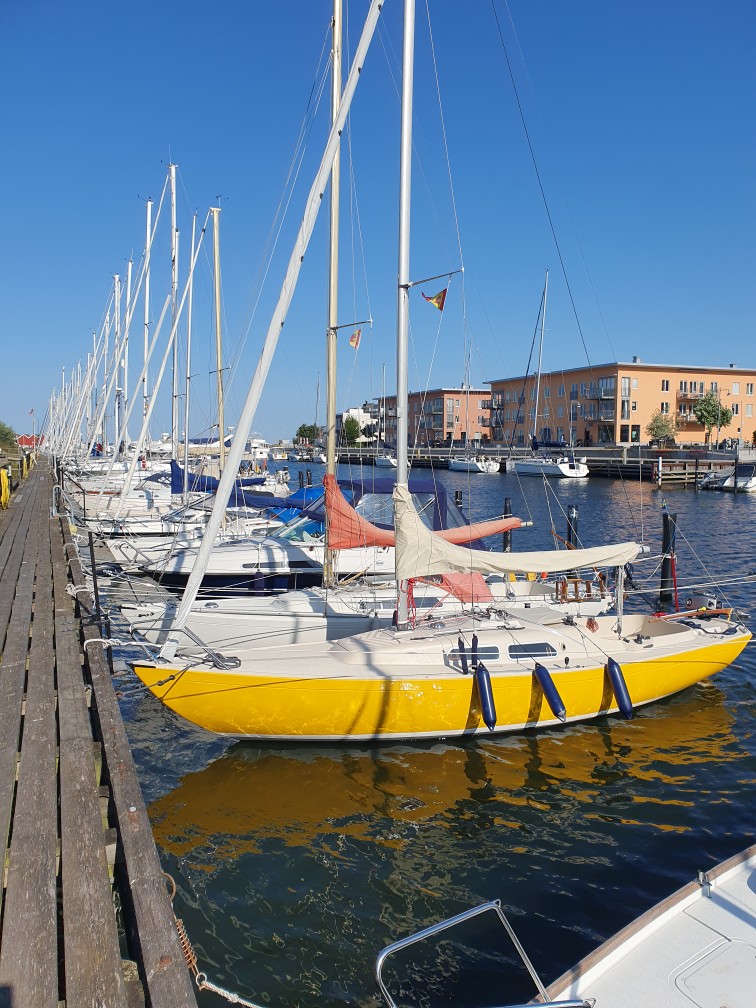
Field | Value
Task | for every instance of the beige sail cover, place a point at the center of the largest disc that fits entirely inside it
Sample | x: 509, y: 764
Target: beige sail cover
x: 419, y: 552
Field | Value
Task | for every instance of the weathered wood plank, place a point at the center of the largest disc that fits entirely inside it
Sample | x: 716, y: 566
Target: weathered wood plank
x: 92, y: 959
x: 153, y: 937
x: 13, y: 674
x: 29, y: 952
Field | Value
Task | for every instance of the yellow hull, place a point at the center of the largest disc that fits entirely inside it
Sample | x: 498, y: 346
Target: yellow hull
x: 356, y: 705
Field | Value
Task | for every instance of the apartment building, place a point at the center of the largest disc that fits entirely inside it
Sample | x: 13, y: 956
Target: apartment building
x: 443, y: 416
x: 613, y: 403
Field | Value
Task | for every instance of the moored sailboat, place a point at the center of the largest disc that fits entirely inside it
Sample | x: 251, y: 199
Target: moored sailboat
x: 463, y: 677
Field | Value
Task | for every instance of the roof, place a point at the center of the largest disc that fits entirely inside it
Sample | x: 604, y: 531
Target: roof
x: 629, y: 365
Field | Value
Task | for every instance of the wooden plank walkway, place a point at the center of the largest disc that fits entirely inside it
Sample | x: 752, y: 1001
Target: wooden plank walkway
x: 70, y: 932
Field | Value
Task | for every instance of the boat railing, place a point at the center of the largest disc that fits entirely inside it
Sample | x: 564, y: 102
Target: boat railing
x: 434, y: 929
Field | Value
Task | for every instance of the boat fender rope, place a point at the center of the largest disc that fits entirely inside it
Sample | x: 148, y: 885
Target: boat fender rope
x: 190, y: 956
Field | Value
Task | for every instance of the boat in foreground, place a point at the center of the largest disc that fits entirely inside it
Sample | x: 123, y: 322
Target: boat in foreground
x: 697, y: 947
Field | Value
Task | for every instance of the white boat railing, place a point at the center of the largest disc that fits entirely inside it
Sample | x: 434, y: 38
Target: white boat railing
x: 434, y: 929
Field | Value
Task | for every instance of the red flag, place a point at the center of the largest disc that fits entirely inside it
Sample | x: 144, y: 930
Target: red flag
x: 437, y: 299
x: 354, y: 339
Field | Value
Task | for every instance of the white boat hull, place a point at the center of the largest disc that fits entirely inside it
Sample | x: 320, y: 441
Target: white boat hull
x: 553, y: 468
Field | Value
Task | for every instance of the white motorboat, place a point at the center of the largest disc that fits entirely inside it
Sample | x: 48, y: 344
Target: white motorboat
x: 695, y: 948
x: 552, y: 466
x: 741, y: 478
x: 386, y: 461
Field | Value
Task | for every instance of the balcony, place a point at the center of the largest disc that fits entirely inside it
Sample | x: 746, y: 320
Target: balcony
x: 690, y: 396
x: 687, y: 420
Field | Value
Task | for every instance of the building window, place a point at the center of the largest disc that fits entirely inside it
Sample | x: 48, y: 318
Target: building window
x: 634, y: 405
x: 561, y: 391
x: 749, y: 388
x: 683, y: 386
x: 664, y: 407
x: 665, y: 385
x: 749, y: 409
x: 625, y: 390
x: 635, y: 383
x: 560, y: 411
x: 735, y: 409
x: 714, y: 386
x: 547, y: 391
x: 736, y: 388
x: 625, y: 412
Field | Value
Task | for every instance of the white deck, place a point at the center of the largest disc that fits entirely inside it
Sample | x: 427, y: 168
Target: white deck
x: 692, y: 950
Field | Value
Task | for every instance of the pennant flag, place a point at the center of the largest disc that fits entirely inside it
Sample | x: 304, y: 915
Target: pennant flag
x: 30, y: 412
x: 354, y: 339
x: 437, y: 299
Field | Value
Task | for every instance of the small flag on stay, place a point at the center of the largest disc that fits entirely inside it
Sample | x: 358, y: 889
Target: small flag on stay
x: 31, y: 411
x: 437, y: 299
x: 354, y: 339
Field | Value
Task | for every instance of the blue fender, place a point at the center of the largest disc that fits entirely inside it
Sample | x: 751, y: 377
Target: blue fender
x: 550, y: 691
x: 487, y: 705
x: 622, y: 696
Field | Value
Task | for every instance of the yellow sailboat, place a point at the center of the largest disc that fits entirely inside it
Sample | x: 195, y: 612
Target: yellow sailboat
x: 490, y: 672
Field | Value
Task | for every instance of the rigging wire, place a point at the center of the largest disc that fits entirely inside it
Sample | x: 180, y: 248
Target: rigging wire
x: 537, y: 171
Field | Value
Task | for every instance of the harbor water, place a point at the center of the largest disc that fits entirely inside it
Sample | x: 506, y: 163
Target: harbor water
x: 295, y: 866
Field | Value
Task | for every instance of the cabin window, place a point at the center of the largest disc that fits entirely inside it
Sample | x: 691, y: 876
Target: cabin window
x: 535, y: 650
x: 487, y: 653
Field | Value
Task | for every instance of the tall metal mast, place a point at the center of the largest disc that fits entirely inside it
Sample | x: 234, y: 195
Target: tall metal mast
x: 174, y: 304
x: 333, y: 282
x: 402, y: 319
x: 215, y: 211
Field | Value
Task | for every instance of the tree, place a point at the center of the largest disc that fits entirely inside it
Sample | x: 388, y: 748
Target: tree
x: 351, y: 430
x: 711, y: 412
x: 8, y: 440
x: 307, y: 432
x: 661, y: 426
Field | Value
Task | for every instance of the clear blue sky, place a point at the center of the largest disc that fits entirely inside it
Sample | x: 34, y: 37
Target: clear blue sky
x: 640, y: 116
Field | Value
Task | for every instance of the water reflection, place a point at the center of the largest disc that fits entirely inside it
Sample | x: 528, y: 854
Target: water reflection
x: 297, y: 866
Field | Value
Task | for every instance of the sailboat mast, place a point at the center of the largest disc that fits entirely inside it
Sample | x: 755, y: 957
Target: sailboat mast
x: 174, y: 312
x: 402, y: 320
x: 329, y: 576
x: 540, y: 354
x: 215, y: 211
x: 188, y: 378
x: 146, y: 322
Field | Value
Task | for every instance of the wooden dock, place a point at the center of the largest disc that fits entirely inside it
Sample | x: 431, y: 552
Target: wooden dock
x: 85, y: 915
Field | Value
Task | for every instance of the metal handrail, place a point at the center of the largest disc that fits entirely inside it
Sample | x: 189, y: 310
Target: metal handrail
x: 444, y: 925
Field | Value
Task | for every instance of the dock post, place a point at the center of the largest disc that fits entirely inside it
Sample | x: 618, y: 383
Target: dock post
x: 666, y: 588
x: 506, y: 538
x: 659, y: 471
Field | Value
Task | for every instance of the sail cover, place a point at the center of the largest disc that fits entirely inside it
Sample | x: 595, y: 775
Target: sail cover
x: 349, y: 530
x: 420, y: 553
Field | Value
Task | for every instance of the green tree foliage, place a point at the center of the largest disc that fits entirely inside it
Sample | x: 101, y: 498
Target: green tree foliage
x: 308, y: 432
x: 8, y: 440
x: 351, y: 430
x: 661, y: 426
x: 712, y: 412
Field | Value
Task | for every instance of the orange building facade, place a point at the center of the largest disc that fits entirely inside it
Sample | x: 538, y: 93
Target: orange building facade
x: 613, y: 404
x: 442, y: 417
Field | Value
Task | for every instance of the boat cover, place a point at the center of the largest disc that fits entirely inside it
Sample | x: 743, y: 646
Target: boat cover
x: 420, y: 552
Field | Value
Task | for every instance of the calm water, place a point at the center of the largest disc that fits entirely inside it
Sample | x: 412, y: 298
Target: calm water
x: 296, y: 866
